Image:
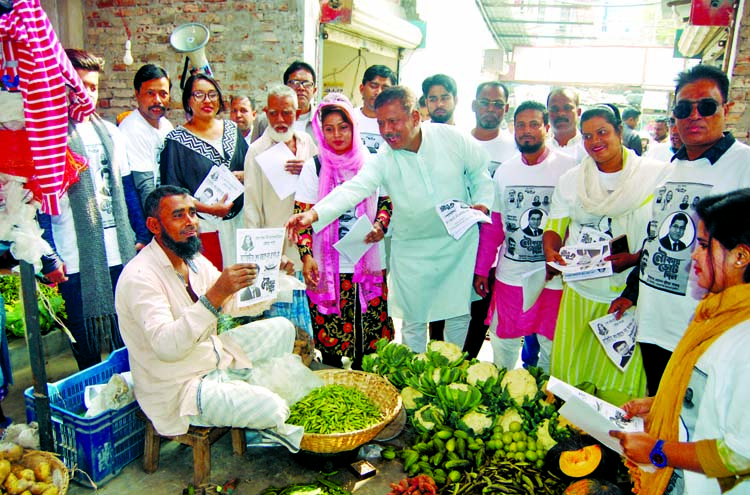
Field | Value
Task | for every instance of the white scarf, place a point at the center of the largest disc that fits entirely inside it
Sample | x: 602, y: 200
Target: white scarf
x: 637, y: 182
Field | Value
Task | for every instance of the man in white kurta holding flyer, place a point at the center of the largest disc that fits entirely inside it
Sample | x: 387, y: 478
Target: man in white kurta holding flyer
x: 423, y: 167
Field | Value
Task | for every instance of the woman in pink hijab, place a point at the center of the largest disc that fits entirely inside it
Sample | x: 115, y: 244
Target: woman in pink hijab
x: 348, y: 298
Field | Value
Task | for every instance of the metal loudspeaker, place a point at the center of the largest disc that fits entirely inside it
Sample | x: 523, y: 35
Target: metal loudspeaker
x: 191, y: 39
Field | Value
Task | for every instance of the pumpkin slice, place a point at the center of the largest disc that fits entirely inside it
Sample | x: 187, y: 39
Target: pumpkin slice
x: 580, y: 463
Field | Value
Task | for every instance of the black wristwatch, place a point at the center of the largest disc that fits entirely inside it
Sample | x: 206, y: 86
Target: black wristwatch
x: 657, y: 456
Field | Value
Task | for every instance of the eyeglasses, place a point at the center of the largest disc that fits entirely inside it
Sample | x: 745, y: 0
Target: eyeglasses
x: 202, y: 95
x: 706, y: 108
x: 297, y: 83
x: 498, y: 104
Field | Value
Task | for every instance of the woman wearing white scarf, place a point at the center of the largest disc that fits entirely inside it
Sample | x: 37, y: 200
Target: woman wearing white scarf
x: 609, y: 191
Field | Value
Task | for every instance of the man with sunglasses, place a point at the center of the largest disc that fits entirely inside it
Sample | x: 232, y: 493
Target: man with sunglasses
x: 710, y: 161
x: 300, y: 76
x: 489, y: 106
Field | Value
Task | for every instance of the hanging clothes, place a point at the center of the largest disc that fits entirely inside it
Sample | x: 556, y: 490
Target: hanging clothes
x: 43, y: 69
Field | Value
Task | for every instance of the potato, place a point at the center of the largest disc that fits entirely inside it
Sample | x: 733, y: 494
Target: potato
x: 43, y: 472
x: 52, y: 490
x: 39, y: 488
x: 28, y: 474
x: 16, y: 486
x: 4, y: 470
x: 11, y: 451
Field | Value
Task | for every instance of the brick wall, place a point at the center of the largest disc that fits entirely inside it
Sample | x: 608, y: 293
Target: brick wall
x: 250, y: 46
x: 739, y: 115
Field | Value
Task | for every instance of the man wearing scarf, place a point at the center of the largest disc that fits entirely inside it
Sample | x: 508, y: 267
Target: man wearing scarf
x: 91, y: 236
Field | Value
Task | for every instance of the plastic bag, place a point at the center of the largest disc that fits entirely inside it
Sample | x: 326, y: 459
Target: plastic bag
x: 286, y: 376
x: 115, y: 394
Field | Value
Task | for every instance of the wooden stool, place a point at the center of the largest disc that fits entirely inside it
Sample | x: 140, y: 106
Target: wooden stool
x: 199, y: 438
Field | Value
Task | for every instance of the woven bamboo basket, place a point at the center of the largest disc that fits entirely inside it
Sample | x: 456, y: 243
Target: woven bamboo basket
x: 378, y: 389
x: 60, y: 477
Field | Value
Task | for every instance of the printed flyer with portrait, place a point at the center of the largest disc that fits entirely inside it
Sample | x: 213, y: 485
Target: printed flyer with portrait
x: 617, y: 337
x: 219, y: 182
x: 525, y: 211
x: 458, y: 217
x: 262, y: 247
x: 665, y: 261
x: 593, y: 415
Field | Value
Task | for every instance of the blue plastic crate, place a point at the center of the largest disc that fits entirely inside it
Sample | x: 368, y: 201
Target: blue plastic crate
x: 102, y: 445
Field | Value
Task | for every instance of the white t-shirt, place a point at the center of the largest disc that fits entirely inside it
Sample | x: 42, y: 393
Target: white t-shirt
x: 369, y: 131
x: 667, y: 279
x: 300, y: 124
x: 660, y: 151
x: 574, y: 148
x: 63, y: 228
x: 144, y: 142
x: 307, y: 192
x: 501, y: 149
x: 716, y: 403
x: 523, y: 191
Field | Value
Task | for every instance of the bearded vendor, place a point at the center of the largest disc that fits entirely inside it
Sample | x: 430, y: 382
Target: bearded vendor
x: 168, y: 301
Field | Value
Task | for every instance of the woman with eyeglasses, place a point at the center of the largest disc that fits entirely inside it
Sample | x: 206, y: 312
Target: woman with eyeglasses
x: 697, y: 435
x: 193, y: 149
x: 608, y: 192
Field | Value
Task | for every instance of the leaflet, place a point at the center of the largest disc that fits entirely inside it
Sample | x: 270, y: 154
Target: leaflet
x: 617, y: 337
x: 262, y: 247
x: 353, y: 245
x: 272, y: 163
x: 458, y: 217
x: 219, y: 182
x: 593, y: 415
x: 584, y: 261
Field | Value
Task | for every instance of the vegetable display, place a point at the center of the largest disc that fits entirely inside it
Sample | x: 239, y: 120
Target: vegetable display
x: 476, y: 426
x: 49, y: 300
x: 334, y: 409
x: 16, y: 478
x: 321, y: 486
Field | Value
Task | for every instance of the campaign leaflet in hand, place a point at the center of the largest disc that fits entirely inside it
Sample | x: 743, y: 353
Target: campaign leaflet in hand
x: 593, y: 415
x: 262, y: 247
x: 219, y: 182
x: 458, y: 217
x: 617, y: 337
x: 584, y: 261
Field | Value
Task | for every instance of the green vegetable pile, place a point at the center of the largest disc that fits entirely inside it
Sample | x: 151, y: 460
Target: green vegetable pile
x: 50, y: 303
x: 334, y: 409
x: 321, y: 486
x: 469, y: 416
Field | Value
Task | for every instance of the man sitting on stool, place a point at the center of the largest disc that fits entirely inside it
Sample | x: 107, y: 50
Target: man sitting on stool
x: 168, y: 300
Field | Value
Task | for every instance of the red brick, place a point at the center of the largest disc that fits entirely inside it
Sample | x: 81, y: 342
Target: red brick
x: 119, y: 67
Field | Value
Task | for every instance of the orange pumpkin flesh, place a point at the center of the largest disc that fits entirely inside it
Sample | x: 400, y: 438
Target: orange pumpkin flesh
x: 580, y: 463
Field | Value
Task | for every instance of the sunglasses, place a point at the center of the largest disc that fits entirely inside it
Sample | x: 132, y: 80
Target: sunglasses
x: 706, y: 108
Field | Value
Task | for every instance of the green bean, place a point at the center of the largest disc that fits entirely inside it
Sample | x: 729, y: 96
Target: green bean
x: 334, y: 409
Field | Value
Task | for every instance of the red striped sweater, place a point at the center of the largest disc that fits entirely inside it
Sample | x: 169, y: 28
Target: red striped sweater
x: 26, y: 36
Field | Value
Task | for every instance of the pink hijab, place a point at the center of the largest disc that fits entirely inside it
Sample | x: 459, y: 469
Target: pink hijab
x: 336, y: 169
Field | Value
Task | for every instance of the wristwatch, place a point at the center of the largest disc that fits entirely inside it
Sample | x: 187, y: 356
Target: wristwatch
x: 657, y: 456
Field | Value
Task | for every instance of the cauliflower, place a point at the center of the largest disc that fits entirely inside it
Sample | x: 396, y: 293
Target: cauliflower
x: 444, y: 353
x: 544, y: 436
x: 479, y: 422
x: 510, y: 415
x: 479, y: 373
x: 428, y: 417
x: 411, y: 398
x: 520, y: 384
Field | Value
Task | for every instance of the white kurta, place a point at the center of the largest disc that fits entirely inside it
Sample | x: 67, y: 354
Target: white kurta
x: 431, y: 273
